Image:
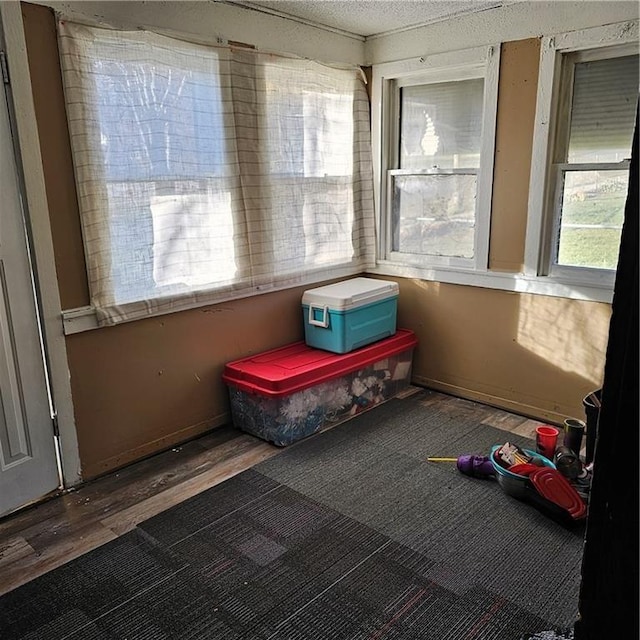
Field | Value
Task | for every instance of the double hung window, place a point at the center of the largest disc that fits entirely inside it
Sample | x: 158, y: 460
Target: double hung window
x: 208, y: 173
x: 435, y: 154
x: 588, y: 98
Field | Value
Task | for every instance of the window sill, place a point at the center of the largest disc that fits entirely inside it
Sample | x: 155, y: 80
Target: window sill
x: 515, y: 282
x: 85, y: 319
x: 78, y: 320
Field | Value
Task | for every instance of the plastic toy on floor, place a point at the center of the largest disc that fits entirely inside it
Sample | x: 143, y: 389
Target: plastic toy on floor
x: 526, y: 475
x: 475, y: 466
x: 471, y: 465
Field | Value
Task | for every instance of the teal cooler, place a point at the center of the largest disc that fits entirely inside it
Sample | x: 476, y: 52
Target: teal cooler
x: 348, y: 315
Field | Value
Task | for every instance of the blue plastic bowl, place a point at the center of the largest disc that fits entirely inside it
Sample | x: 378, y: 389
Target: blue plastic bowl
x: 512, y: 483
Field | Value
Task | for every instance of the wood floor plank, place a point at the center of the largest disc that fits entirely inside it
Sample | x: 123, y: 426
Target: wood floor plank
x: 126, y: 519
x: 527, y: 429
x: 171, y: 469
x: 13, y: 550
x: 122, y: 489
x: 505, y: 422
x: 54, y: 555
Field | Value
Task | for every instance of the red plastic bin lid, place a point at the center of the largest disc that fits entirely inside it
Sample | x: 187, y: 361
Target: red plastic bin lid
x: 553, y: 486
x: 282, y: 371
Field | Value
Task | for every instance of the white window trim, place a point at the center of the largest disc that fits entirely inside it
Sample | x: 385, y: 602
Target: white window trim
x: 85, y: 318
x: 480, y: 62
x: 599, y: 281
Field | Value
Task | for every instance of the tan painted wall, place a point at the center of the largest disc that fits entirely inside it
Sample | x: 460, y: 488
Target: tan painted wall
x: 44, y: 67
x: 517, y: 90
x: 534, y: 355
x: 145, y: 386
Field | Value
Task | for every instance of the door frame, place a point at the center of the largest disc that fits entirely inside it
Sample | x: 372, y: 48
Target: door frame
x: 29, y: 163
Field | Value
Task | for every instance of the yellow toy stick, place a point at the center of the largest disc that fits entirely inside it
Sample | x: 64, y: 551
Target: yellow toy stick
x: 442, y: 459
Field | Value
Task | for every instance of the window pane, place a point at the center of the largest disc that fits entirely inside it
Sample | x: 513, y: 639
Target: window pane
x: 308, y: 124
x: 605, y: 95
x: 309, y: 134
x: 179, y: 233
x: 592, y: 216
x: 434, y: 215
x: 441, y: 125
x: 158, y: 119
x: 165, y: 158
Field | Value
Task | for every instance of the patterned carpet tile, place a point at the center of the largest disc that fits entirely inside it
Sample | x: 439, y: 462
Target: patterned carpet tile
x: 347, y: 535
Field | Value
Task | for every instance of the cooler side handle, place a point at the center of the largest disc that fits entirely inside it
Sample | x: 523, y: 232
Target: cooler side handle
x: 324, y: 323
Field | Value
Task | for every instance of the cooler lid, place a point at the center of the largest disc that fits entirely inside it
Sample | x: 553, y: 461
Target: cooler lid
x: 297, y: 366
x: 348, y: 294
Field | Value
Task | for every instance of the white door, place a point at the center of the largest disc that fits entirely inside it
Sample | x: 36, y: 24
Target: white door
x: 28, y: 464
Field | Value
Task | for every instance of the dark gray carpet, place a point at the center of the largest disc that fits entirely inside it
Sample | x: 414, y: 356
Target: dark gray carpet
x: 347, y: 535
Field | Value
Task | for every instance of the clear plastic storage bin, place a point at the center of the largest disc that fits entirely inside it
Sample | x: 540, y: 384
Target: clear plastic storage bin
x: 289, y: 393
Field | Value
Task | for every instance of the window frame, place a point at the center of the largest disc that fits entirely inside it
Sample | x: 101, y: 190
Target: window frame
x: 551, y: 134
x: 388, y: 79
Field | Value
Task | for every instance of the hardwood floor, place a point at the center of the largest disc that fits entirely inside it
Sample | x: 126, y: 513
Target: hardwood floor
x: 44, y: 536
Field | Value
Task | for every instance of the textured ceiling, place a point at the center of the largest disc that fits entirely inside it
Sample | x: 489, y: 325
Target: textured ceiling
x: 370, y: 17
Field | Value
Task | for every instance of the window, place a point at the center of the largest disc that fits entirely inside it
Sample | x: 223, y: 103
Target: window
x: 209, y: 173
x: 435, y: 158
x: 588, y: 97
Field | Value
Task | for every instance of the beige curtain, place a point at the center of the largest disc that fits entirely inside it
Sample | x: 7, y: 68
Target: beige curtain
x: 208, y: 173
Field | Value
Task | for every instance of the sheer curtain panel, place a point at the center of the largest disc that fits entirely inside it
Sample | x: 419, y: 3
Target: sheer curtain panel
x: 209, y: 173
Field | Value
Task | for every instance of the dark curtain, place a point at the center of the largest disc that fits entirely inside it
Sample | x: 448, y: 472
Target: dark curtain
x: 609, y: 592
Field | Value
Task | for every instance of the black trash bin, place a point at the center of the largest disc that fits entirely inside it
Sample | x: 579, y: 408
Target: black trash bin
x: 591, y: 403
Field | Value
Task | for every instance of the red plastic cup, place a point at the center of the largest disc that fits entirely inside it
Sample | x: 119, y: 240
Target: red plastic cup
x: 546, y: 441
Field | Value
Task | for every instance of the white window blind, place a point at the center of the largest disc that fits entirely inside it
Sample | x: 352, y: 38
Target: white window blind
x: 605, y: 94
x: 208, y: 173
x: 441, y: 125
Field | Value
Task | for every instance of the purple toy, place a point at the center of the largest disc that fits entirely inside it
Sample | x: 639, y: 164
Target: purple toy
x: 475, y: 466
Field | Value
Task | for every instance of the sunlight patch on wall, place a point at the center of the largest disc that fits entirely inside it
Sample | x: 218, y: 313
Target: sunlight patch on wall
x: 570, y: 335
